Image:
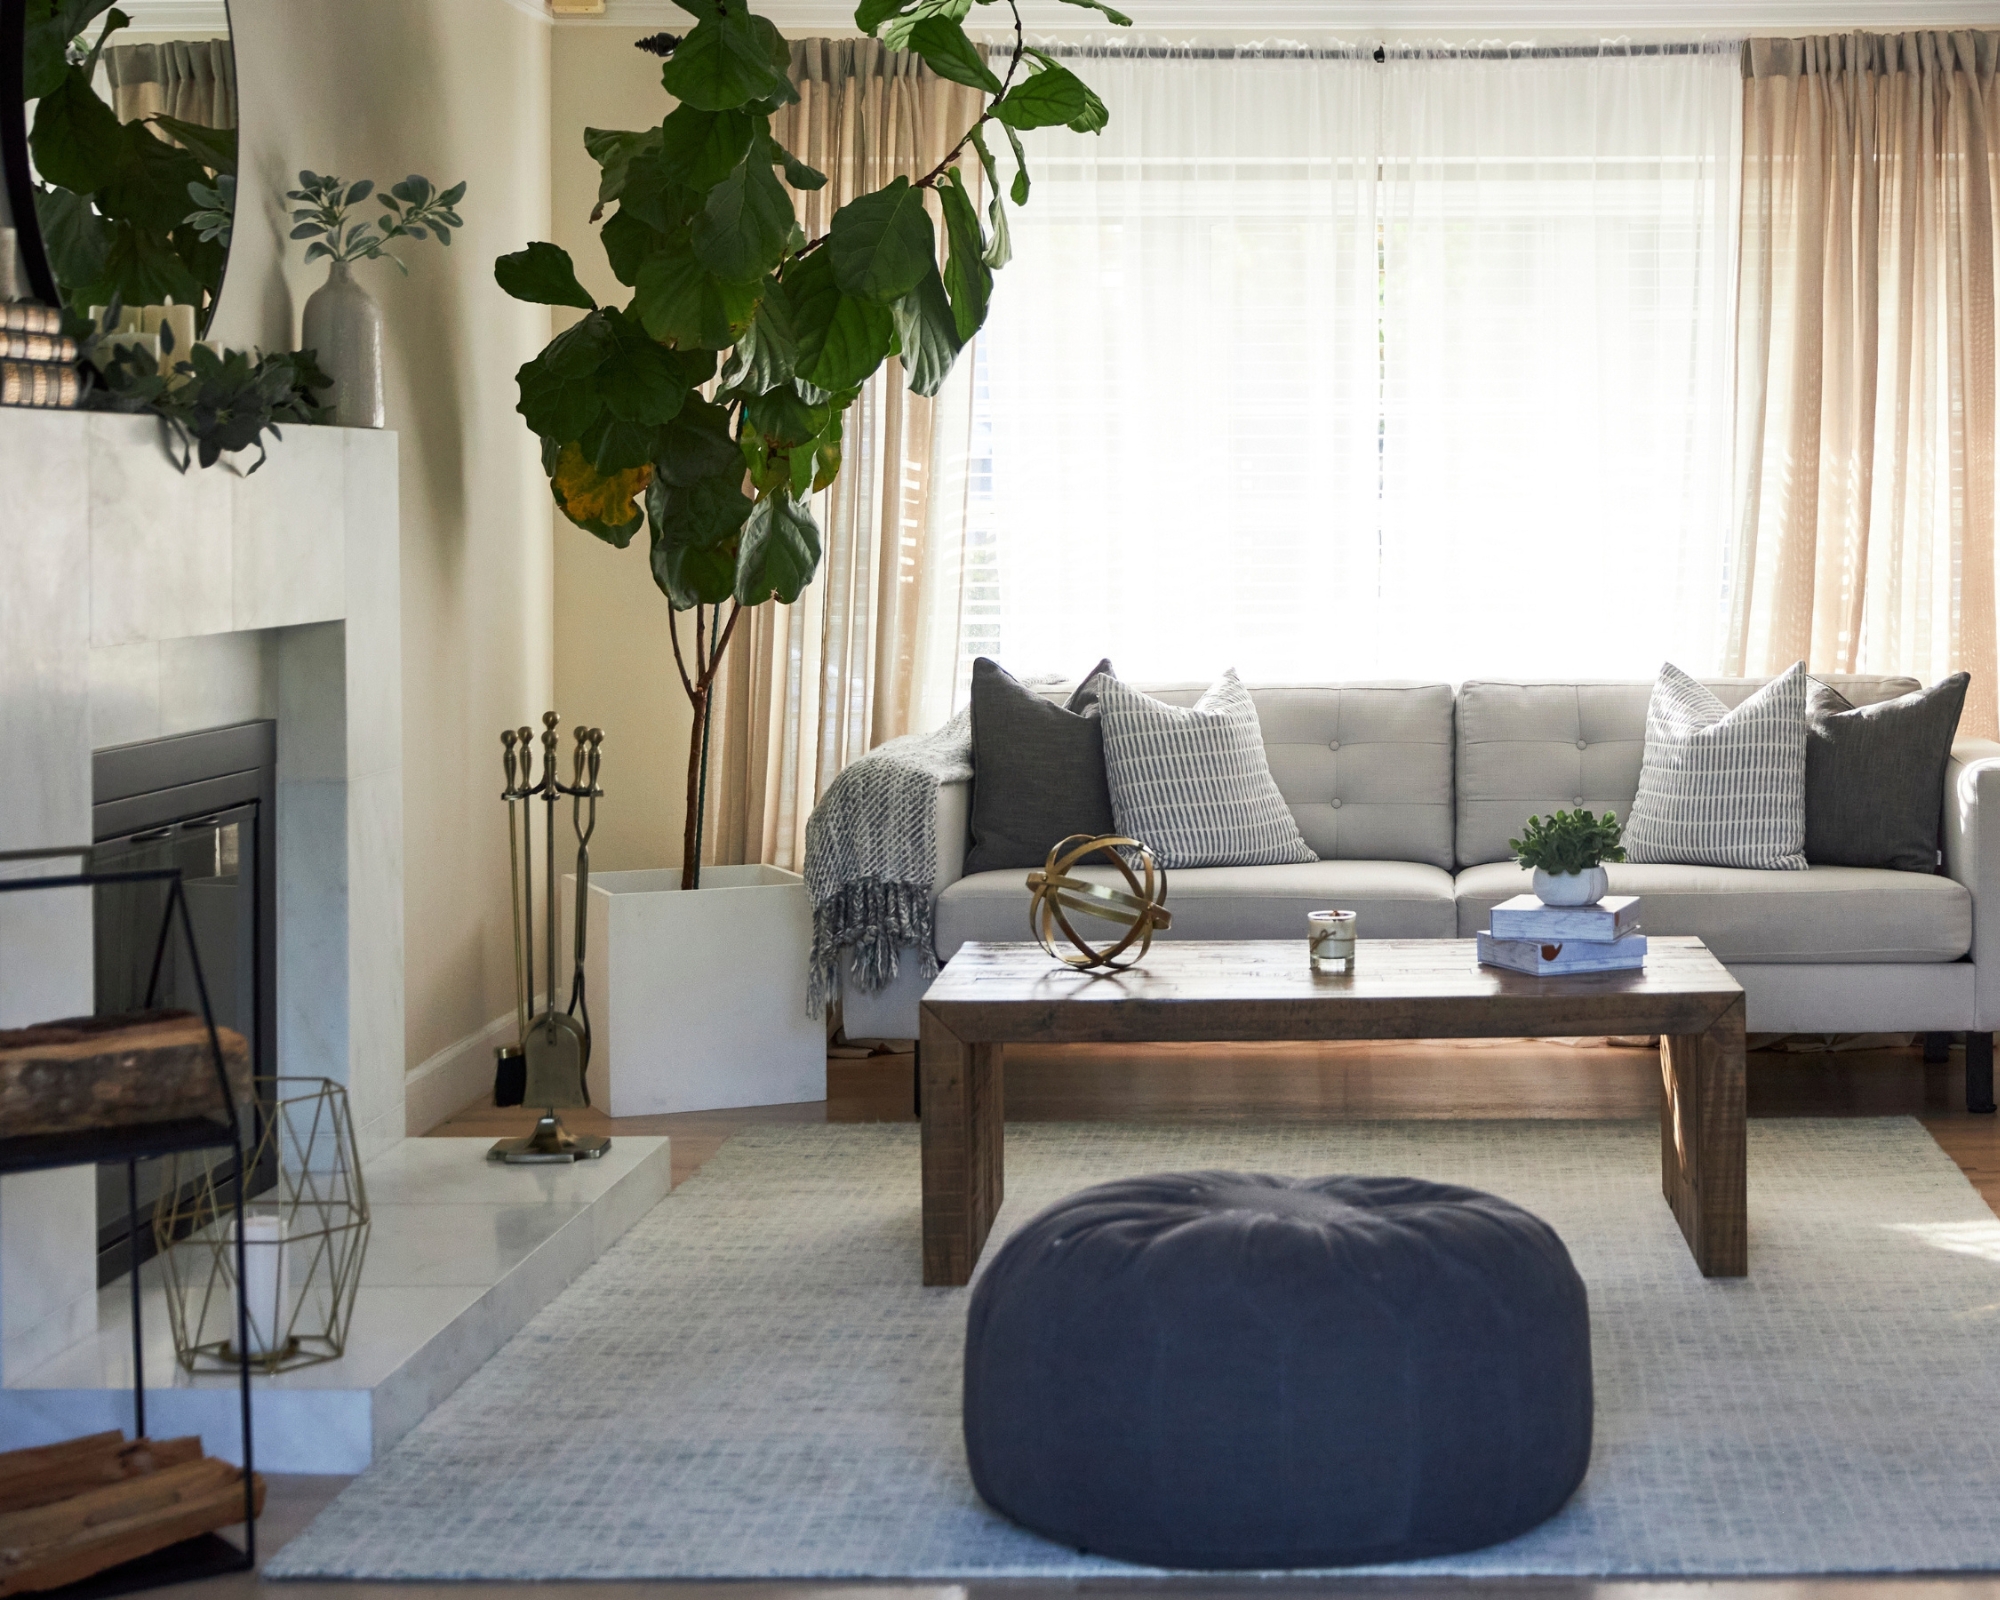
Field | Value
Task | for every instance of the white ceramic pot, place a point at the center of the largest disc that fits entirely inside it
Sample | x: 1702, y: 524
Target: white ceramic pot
x: 698, y: 998
x: 343, y: 328
x: 1583, y: 888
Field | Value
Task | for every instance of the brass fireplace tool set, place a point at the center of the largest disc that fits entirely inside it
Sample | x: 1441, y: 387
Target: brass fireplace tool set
x: 549, y: 1059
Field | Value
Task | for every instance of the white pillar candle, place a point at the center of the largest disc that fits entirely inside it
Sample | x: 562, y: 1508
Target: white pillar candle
x: 1330, y: 940
x: 180, y: 321
x: 264, y: 1281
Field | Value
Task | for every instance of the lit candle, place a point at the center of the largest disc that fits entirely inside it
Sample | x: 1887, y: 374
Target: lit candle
x: 264, y: 1281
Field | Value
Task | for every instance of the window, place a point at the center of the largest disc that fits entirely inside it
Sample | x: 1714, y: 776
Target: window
x: 1321, y: 368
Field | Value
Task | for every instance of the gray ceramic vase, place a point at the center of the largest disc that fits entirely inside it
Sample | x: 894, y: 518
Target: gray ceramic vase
x: 343, y: 327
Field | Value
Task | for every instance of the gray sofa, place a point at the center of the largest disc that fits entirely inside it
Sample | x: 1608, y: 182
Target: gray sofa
x: 1409, y: 793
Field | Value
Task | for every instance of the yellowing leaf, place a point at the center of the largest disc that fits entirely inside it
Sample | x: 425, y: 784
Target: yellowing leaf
x: 602, y: 503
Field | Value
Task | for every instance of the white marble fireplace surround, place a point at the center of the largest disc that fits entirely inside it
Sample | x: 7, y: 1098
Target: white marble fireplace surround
x: 136, y: 601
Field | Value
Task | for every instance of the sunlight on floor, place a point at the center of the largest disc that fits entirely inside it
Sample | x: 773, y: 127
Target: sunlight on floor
x: 1980, y: 1239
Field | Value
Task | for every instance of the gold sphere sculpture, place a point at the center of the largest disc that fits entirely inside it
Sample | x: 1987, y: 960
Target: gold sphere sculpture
x: 1055, y: 890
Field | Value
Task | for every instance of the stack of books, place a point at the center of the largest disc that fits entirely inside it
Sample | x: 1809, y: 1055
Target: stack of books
x: 38, y: 365
x: 1548, y: 941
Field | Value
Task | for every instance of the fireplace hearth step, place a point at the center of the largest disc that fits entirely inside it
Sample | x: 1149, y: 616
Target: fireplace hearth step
x: 463, y: 1251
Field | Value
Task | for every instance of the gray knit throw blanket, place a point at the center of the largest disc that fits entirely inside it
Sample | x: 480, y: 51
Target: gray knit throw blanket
x: 871, y: 858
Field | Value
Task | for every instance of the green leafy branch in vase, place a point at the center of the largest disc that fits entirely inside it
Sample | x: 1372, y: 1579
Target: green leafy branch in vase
x: 726, y: 288
x: 208, y: 403
x: 412, y: 209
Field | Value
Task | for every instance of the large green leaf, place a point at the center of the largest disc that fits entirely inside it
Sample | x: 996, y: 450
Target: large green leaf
x: 700, y: 148
x: 786, y: 420
x: 613, y: 150
x: 77, y: 239
x: 612, y: 444
x: 882, y: 242
x: 556, y: 407
x: 652, y: 195
x: 1050, y: 97
x: 150, y: 187
x: 779, y: 554
x: 896, y: 31
x: 579, y: 350
x: 542, y: 274
x: 967, y: 278
x: 744, y: 229
x: 78, y: 142
x: 950, y: 54
x: 641, y: 382
x: 214, y: 148
x: 697, y: 444
x: 999, y: 249
x: 730, y: 59
x: 1118, y: 17
x: 143, y: 269
x: 694, y: 537
x: 627, y: 244
x: 50, y: 25
x: 927, y: 327
x: 767, y: 353
x: 682, y: 301
x: 842, y: 340
x: 797, y: 173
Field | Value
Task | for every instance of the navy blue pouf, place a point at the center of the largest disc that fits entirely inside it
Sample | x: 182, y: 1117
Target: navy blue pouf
x: 1228, y: 1370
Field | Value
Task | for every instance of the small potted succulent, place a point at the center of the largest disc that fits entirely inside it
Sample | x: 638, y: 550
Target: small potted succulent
x: 1568, y: 851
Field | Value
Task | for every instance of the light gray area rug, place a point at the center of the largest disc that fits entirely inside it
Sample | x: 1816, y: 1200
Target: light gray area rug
x: 752, y: 1383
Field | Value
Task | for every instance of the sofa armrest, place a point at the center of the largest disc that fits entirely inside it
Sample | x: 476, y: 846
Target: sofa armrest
x: 1972, y: 857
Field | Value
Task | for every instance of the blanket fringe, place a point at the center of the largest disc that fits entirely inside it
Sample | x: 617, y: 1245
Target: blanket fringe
x: 872, y: 919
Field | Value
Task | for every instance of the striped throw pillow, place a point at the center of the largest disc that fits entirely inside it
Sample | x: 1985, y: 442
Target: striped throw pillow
x: 1722, y: 788
x: 1191, y: 782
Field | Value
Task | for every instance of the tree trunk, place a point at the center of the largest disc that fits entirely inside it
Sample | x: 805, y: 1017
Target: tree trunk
x: 691, y: 838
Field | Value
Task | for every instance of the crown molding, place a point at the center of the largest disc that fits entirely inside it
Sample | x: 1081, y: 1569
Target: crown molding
x: 177, y: 16
x: 1280, y: 18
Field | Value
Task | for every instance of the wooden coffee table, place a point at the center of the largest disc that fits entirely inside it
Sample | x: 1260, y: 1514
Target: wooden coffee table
x: 994, y: 995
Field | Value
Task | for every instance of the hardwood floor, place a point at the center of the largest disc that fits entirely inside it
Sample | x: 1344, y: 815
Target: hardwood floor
x: 1239, y: 1083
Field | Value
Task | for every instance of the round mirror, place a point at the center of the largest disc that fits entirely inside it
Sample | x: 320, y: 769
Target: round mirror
x: 121, y: 166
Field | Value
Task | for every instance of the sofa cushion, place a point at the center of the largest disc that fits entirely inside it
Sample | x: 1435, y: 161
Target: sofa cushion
x: 1396, y: 899
x: 1539, y: 746
x: 1875, y: 775
x: 1836, y: 914
x: 1191, y: 782
x: 1365, y: 768
x: 1037, y: 768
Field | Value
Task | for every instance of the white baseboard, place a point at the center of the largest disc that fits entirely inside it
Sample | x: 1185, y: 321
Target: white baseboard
x: 452, y: 1079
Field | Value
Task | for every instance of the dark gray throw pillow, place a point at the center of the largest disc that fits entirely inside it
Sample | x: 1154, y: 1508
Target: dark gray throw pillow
x: 1875, y: 776
x: 1037, y: 768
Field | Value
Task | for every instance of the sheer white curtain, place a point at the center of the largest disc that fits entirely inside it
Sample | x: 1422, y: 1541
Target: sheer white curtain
x: 1320, y: 367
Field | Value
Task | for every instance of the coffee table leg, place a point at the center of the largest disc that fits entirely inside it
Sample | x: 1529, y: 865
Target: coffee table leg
x: 1702, y: 1143
x: 963, y: 1150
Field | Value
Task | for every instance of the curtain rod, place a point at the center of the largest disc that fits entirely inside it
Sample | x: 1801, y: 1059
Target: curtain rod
x: 1382, y: 53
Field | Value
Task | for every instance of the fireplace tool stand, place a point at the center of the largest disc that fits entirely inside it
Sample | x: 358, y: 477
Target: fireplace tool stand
x: 552, y: 1053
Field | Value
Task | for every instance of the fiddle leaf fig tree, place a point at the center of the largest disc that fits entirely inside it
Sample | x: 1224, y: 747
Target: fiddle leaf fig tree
x: 708, y: 408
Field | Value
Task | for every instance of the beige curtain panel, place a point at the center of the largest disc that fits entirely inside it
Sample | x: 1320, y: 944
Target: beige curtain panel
x: 870, y: 650
x: 1865, y: 362
x: 191, y: 79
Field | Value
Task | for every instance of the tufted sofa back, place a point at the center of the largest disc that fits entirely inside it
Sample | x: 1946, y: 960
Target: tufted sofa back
x: 1366, y: 768
x: 1536, y: 747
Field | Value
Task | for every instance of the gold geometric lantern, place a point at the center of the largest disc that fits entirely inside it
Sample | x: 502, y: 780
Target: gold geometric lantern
x: 1055, y: 891
x: 303, y: 1238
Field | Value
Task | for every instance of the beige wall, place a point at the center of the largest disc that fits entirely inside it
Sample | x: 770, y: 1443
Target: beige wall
x: 453, y: 89
x: 614, y: 665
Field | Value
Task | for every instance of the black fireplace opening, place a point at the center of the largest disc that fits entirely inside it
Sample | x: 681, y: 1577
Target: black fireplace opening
x: 206, y: 803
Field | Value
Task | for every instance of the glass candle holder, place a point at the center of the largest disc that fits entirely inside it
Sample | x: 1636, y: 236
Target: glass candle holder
x: 1330, y: 938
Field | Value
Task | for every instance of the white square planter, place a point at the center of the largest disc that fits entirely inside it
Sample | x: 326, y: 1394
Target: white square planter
x: 698, y: 1000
